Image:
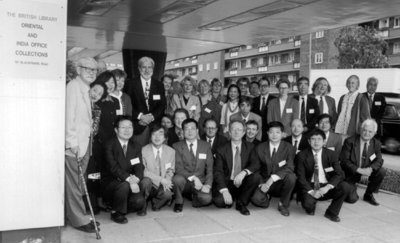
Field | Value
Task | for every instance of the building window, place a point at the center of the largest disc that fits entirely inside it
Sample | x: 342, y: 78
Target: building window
x: 262, y: 69
x: 297, y: 42
x: 208, y: 67
x: 296, y: 65
x: 194, y: 61
x: 383, y: 23
x: 194, y: 70
x: 176, y: 64
x: 234, y: 54
x: 319, y: 57
x: 319, y: 34
x: 215, y: 65
x: 200, y: 67
x: 248, y: 47
x: 263, y: 49
x: 396, y: 48
x: 396, y: 23
x: 234, y: 64
x: 253, y: 62
x: 233, y: 72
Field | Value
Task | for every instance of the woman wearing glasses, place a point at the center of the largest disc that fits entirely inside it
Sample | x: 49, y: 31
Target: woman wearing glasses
x: 209, y: 107
x: 188, y: 100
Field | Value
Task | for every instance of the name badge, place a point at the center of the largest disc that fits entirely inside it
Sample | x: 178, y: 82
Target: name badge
x: 119, y: 112
x: 372, y: 157
x: 282, y: 163
x: 207, y: 110
x: 289, y: 110
x: 329, y: 169
x: 311, y: 111
x: 202, y: 156
x: 331, y: 148
x: 94, y: 176
x: 167, y: 166
x: 135, y: 161
x: 156, y: 97
x: 193, y: 108
x: 378, y: 103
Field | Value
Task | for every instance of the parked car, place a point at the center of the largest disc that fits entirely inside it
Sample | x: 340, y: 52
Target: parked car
x: 390, y: 124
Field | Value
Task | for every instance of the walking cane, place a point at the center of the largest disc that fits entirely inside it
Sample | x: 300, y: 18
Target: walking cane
x: 87, y: 196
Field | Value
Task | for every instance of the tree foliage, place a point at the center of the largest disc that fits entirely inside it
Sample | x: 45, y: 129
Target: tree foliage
x: 361, y: 47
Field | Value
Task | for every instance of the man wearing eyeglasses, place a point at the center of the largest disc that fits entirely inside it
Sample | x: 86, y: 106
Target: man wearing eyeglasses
x: 78, y: 124
x: 193, y: 168
x: 260, y: 105
x: 244, y: 84
x: 148, y: 100
x: 211, y: 136
x: 235, y: 175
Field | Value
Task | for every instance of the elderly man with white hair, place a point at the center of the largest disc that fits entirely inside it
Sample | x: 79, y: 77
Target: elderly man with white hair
x: 361, y: 160
x: 377, y: 102
x: 78, y: 125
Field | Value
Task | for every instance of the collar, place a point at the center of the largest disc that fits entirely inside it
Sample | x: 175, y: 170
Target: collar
x: 298, y: 139
x: 272, y: 146
x: 155, y: 150
x: 122, y: 143
x: 234, y: 145
x: 188, y: 143
x: 247, y: 117
x: 362, y: 142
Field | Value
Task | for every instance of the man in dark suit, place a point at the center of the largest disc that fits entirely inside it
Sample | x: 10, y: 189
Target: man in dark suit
x: 377, y: 102
x: 245, y: 104
x: 308, y: 106
x: 193, y: 168
x: 333, y: 141
x: 298, y: 140
x: 148, y: 100
x: 211, y: 135
x: 327, y: 105
x: 260, y: 105
x: 320, y: 177
x: 235, y: 176
x: 251, y: 132
x: 361, y: 160
x: 122, y: 180
x: 276, y: 169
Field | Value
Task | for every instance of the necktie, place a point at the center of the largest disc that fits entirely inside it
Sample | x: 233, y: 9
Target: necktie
x: 321, y: 105
x: 124, y: 148
x: 146, y: 93
x: 244, y: 120
x: 364, y: 156
x: 180, y: 135
x: 210, y: 141
x: 370, y: 101
x: 263, y: 105
x: 303, y: 111
x: 316, y: 173
x: 193, y: 156
x: 295, y: 144
x: 238, y: 163
x: 158, y: 159
x: 273, y: 155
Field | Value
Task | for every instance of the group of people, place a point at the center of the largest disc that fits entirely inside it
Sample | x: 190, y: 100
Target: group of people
x: 152, y: 143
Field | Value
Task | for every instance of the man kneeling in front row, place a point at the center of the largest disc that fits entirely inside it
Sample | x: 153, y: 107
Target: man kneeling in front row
x: 234, y: 172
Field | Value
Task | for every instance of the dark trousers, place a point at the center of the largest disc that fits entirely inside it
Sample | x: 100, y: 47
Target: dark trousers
x: 374, y: 183
x: 242, y: 193
x: 337, y: 194
x: 119, y: 194
x: 183, y: 185
x: 282, y: 189
x: 159, y: 196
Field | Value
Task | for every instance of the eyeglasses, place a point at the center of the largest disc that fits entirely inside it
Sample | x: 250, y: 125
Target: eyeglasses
x: 237, y: 129
x: 126, y: 128
x: 211, y: 128
x: 89, y: 70
x: 242, y: 85
x: 264, y: 86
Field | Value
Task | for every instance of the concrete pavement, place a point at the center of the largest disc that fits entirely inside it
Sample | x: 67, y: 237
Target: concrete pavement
x: 360, y: 222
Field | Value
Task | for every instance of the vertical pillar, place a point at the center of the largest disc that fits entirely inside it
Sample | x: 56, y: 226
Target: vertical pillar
x: 32, y: 111
x: 131, y: 57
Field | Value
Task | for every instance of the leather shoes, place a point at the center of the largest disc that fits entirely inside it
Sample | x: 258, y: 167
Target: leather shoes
x: 242, y: 208
x: 370, y: 198
x: 284, y: 210
x: 143, y: 211
x: 310, y: 212
x: 178, y: 208
x: 87, y: 228
x: 154, y: 207
x: 332, y: 217
x: 97, y: 223
x: 118, y: 218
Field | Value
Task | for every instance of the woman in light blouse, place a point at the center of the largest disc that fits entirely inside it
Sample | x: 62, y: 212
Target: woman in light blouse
x: 231, y: 107
x: 209, y: 107
x: 188, y: 100
x: 124, y: 100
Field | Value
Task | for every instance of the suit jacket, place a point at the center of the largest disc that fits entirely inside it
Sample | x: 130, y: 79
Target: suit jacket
x: 118, y: 166
x: 157, y: 101
x: 167, y: 167
x: 209, y: 110
x: 204, y: 166
x: 224, y: 162
x: 193, y: 105
x: 305, y: 168
x: 280, y: 166
x: 350, y: 157
x: 218, y: 141
x: 378, y: 106
x: 255, y: 141
x: 331, y: 103
x: 312, y: 111
x: 256, y: 109
x: 359, y: 113
x: 274, y: 113
x: 108, y: 116
x: 252, y: 116
x: 302, y: 144
x: 78, y: 117
x: 334, y: 143
x: 172, y: 136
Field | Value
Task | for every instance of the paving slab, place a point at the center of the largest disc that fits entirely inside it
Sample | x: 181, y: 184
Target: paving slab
x: 358, y: 239
x: 276, y: 234
x: 390, y: 234
x: 218, y: 238
x: 359, y: 222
